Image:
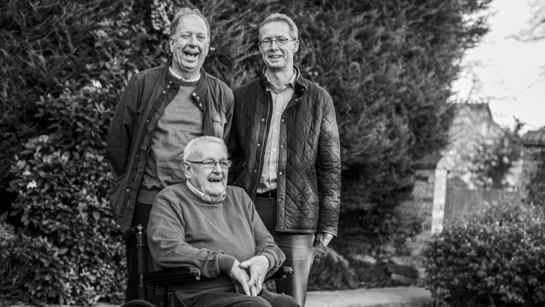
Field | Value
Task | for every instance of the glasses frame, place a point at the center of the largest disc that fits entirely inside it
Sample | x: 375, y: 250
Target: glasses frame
x: 216, y: 162
x: 264, y: 44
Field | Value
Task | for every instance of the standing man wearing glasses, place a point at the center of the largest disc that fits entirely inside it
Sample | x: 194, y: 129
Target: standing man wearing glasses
x: 285, y: 143
x: 161, y: 110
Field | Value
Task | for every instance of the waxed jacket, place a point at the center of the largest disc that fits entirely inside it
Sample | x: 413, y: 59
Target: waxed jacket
x: 136, y: 116
x: 309, y: 161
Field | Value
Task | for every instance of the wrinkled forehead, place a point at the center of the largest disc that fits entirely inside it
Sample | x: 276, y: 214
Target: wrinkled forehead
x: 191, y: 25
x: 211, y: 151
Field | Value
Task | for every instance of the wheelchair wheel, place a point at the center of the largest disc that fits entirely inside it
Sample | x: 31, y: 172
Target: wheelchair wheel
x: 138, y: 303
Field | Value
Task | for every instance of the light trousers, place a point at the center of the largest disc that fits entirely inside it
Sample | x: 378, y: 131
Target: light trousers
x: 298, y: 249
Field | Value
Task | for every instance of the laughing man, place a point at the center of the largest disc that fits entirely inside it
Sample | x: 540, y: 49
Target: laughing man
x: 161, y: 110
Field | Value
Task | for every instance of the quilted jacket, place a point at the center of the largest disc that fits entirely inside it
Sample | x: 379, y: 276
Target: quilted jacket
x: 309, y: 166
x: 130, y: 133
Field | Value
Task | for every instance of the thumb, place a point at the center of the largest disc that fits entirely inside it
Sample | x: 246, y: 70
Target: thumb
x: 245, y: 264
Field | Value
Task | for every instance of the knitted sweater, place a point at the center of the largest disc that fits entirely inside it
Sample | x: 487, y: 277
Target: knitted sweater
x: 183, y: 229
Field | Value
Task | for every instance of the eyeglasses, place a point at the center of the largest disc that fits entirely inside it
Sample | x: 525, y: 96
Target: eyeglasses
x: 280, y: 41
x: 212, y: 163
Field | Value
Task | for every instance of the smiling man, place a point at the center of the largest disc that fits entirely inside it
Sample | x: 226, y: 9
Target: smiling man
x: 286, y: 141
x: 161, y: 110
x: 215, y: 228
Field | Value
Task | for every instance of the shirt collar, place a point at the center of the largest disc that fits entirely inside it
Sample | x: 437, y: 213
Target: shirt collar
x: 290, y: 82
x: 175, y: 75
x: 202, y: 195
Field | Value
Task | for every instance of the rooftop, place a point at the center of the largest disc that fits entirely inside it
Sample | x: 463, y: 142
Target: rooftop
x: 534, y: 138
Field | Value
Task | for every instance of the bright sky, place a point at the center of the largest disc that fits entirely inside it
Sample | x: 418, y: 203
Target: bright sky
x: 511, y: 73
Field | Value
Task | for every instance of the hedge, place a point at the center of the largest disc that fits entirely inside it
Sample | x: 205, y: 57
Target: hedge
x: 495, y: 258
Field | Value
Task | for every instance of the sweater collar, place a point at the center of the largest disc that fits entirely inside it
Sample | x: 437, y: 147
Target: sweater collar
x: 200, y: 93
x: 202, y: 195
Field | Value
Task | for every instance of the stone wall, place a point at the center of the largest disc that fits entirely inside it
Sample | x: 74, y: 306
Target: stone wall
x: 420, y: 202
x: 427, y: 199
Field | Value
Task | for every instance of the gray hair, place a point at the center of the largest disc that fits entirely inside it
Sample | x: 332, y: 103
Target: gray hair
x: 277, y: 17
x: 194, y: 146
x: 183, y: 13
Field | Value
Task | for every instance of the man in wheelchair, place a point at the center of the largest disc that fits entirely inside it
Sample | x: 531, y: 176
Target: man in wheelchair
x: 214, y: 227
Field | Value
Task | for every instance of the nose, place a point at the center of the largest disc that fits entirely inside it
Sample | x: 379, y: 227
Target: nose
x: 193, y: 40
x: 217, y: 168
x: 274, y: 43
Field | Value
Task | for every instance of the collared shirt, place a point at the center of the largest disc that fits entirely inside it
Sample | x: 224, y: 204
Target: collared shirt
x: 280, y: 99
x: 175, y: 75
x: 202, y: 195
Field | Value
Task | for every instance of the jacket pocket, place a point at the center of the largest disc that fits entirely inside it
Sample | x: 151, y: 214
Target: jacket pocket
x: 116, y: 195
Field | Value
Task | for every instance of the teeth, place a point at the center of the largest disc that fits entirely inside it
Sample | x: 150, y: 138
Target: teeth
x: 191, y: 54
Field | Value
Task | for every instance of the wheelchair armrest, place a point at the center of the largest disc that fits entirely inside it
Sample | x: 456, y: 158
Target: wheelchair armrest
x: 282, y: 272
x: 179, y: 275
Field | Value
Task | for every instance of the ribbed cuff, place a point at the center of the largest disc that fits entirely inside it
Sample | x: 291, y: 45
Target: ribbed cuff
x: 225, y: 263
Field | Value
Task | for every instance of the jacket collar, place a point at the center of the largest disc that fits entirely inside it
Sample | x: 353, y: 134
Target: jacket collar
x: 299, y: 89
x: 200, y: 93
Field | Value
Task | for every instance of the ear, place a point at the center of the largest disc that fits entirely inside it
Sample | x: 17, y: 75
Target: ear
x: 295, y: 46
x: 171, y: 42
x: 186, y: 168
x: 208, y: 47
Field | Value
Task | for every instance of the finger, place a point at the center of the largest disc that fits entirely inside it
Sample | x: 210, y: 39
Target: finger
x: 317, y: 240
x: 246, y: 288
x: 259, y: 287
x: 251, y: 282
x: 253, y: 290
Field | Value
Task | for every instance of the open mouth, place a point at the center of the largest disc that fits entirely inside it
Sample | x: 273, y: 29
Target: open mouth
x: 214, y: 179
x: 191, y: 55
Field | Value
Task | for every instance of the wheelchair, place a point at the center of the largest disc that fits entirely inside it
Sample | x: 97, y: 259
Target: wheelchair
x: 165, y: 279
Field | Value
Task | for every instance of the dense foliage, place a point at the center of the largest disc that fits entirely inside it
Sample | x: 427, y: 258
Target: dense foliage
x: 330, y: 271
x: 535, y: 188
x: 493, y: 159
x: 495, y: 258
x: 387, y: 64
x: 65, y: 65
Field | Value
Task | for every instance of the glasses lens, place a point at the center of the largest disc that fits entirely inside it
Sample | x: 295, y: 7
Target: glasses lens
x: 209, y: 163
x: 225, y: 164
x: 281, y: 41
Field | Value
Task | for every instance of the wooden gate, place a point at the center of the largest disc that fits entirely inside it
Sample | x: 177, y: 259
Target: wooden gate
x: 463, y: 202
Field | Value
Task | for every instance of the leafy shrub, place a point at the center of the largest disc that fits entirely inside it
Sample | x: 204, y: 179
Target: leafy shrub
x: 61, y: 181
x: 535, y: 187
x: 330, y: 271
x: 492, y: 160
x: 23, y: 260
x: 14, y: 262
x: 80, y: 56
x: 495, y: 258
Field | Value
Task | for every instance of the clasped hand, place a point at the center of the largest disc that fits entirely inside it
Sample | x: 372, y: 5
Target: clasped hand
x: 250, y: 284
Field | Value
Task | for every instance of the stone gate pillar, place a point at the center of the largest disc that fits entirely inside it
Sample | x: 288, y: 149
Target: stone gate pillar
x: 439, y: 200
